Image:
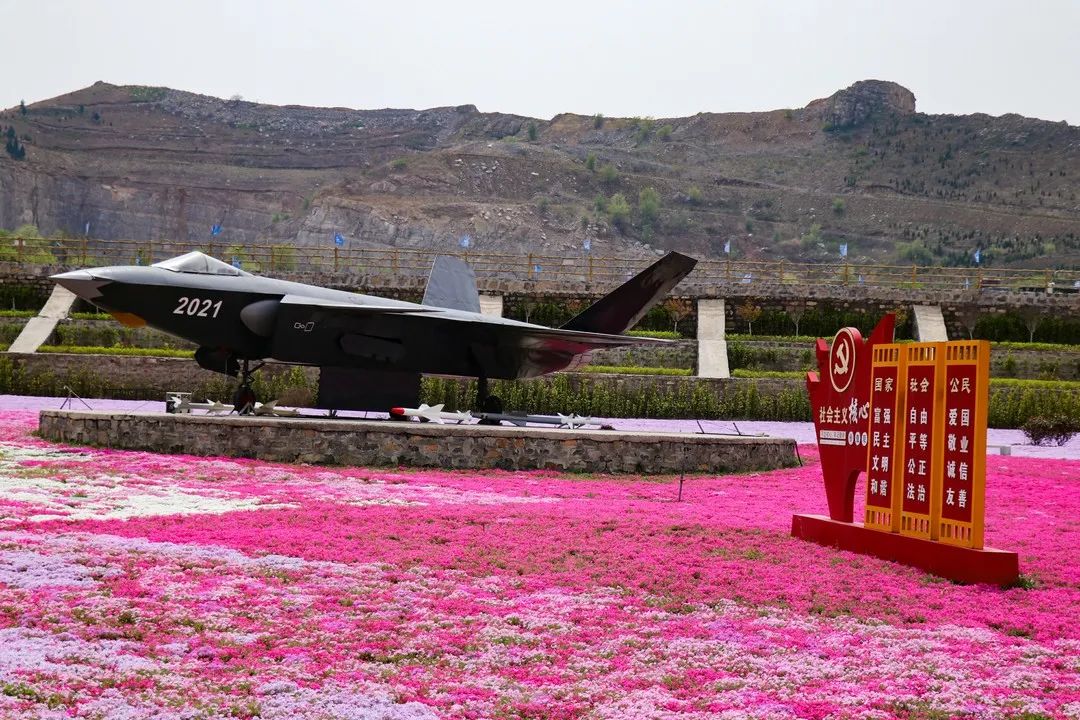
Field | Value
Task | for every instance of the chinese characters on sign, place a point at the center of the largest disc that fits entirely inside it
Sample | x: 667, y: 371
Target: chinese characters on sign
x: 919, y: 471
x: 926, y: 463
x: 967, y: 366
x: 881, y: 473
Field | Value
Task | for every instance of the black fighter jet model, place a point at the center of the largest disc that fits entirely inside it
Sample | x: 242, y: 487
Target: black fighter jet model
x: 371, y: 350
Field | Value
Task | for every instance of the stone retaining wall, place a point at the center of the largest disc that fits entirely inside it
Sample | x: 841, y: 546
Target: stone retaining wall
x: 366, y: 443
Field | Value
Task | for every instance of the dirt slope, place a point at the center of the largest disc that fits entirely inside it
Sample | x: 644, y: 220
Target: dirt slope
x: 861, y: 167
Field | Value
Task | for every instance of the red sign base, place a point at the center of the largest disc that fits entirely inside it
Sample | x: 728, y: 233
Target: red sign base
x: 997, y: 567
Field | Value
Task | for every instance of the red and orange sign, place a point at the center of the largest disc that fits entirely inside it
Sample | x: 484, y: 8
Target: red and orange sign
x: 913, y: 417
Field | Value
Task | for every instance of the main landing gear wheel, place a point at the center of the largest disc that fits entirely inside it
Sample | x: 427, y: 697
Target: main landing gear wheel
x: 487, y: 403
x: 244, y: 398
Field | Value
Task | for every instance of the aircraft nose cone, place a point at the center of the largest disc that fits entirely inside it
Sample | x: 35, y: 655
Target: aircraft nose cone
x: 80, y: 282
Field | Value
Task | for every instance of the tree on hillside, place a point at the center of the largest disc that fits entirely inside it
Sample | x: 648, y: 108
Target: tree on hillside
x: 969, y: 318
x: 748, y: 312
x: 678, y: 309
x: 1032, y: 317
x: 795, y: 311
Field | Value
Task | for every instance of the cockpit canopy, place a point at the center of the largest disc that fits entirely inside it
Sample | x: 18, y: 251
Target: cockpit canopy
x: 200, y: 263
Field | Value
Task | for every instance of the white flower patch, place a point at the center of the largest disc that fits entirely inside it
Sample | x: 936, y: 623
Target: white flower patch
x: 27, y: 650
x: 287, y: 702
x: 119, y: 503
x: 28, y: 569
x: 104, y: 497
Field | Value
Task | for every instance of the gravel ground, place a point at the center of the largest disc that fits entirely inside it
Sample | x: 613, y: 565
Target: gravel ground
x: 802, y: 432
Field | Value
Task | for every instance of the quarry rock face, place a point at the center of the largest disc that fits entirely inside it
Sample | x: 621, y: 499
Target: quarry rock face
x: 854, y: 105
x: 153, y: 164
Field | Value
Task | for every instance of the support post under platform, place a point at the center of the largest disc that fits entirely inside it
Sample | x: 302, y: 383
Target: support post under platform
x: 960, y: 564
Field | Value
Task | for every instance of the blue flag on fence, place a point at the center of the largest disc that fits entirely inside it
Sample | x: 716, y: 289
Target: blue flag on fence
x: 338, y: 239
x: 587, y: 244
x: 236, y: 262
x: 978, y: 256
x: 465, y: 241
x: 215, y: 230
x: 537, y: 269
x: 727, y: 246
x: 843, y: 249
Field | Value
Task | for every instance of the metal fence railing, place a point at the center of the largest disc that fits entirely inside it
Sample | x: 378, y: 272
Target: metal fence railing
x: 584, y: 268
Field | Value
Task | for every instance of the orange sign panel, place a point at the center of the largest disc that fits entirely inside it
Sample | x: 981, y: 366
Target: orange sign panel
x: 886, y: 425
x: 920, y: 459
x: 963, y: 488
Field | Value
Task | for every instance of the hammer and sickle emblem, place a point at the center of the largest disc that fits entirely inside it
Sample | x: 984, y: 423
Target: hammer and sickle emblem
x: 843, y: 359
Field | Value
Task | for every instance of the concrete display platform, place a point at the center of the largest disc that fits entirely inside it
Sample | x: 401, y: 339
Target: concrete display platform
x: 381, y: 443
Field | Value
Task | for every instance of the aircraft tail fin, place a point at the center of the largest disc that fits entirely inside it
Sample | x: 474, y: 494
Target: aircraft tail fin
x: 452, y: 284
x: 620, y: 309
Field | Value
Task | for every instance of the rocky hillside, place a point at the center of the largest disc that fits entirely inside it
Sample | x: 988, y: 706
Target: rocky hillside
x: 861, y: 167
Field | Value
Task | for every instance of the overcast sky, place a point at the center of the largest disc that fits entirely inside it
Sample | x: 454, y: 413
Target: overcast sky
x: 543, y: 57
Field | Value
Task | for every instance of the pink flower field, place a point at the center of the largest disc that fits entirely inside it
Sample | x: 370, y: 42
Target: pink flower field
x: 141, y: 585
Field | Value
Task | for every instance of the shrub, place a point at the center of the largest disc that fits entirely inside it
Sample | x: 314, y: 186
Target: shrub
x: 618, y: 211
x: 598, y: 121
x: 31, y: 248
x: 1056, y: 429
x: 661, y: 334
x: 590, y: 162
x: 283, y: 257
x: 695, y: 196
x: 399, y: 164
x: 648, y: 206
x: 609, y: 175
x: 664, y: 133
x: 838, y: 206
x: 532, y: 132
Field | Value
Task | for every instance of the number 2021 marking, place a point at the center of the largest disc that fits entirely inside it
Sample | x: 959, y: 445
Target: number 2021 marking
x: 197, y: 307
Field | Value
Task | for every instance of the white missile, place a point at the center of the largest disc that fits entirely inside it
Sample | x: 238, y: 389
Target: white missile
x: 432, y: 413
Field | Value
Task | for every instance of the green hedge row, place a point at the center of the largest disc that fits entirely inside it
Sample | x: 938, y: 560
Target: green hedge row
x: 1012, y: 402
x: 687, y: 399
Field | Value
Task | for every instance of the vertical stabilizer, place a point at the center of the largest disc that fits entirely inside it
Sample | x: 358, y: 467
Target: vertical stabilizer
x: 621, y: 309
x: 452, y: 284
